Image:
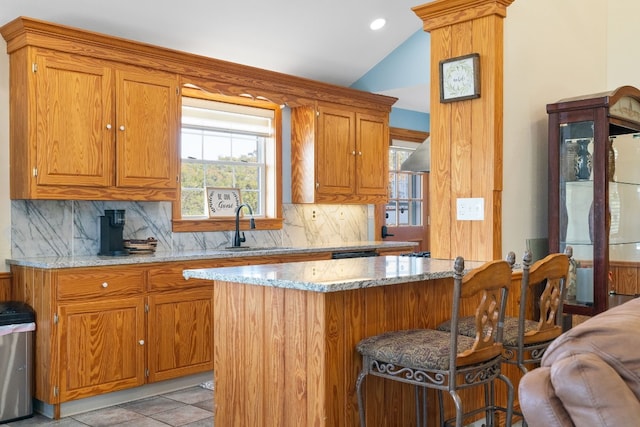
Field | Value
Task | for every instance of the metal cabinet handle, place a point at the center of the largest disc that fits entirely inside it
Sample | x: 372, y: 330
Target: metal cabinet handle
x: 105, y: 284
x: 108, y: 125
x: 121, y: 127
x: 141, y: 342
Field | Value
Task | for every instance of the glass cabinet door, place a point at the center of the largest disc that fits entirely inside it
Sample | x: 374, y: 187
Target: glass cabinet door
x: 576, y: 194
x: 624, y: 207
x: 594, y: 195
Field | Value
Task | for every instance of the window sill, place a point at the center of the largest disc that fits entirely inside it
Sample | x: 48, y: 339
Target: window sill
x: 226, y: 224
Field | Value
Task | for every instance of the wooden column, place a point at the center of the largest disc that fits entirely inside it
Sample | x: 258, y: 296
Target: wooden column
x: 466, y: 136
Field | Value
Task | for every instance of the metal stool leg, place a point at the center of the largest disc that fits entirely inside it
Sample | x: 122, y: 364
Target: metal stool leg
x: 360, y: 400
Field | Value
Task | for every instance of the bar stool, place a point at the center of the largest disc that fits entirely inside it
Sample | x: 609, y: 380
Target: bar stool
x: 428, y: 358
x: 530, y: 338
x: 526, y: 340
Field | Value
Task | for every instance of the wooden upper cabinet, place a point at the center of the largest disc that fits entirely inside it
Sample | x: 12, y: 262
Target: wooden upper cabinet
x: 339, y: 155
x: 372, y: 160
x: 335, y: 152
x: 95, y: 117
x: 147, y: 129
x: 91, y: 129
x: 74, y: 105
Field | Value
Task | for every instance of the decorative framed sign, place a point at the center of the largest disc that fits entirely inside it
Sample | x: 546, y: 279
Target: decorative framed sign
x: 223, y: 202
x: 460, y: 78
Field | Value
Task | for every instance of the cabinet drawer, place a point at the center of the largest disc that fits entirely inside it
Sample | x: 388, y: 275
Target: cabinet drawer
x: 99, y: 282
x: 169, y: 276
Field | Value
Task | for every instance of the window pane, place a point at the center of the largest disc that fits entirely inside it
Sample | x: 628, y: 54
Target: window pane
x: 246, y: 177
x: 403, y: 186
x: 218, y: 175
x: 402, y: 156
x: 252, y: 198
x: 403, y: 213
x: 191, y: 143
x: 193, y: 203
x: 217, y: 146
x: 405, y: 192
x: 390, y: 214
x: 225, y: 145
x: 393, y: 193
x: 192, y: 175
x: 392, y: 160
x: 416, y: 213
x: 245, y: 149
x: 416, y: 184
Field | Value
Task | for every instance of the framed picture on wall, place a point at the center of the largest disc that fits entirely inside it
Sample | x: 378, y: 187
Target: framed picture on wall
x: 460, y: 78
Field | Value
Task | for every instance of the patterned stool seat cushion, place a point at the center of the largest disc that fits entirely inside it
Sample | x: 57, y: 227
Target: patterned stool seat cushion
x: 467, y: 327
x: 413, y: 348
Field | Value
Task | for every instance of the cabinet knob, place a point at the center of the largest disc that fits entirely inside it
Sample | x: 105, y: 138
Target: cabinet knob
x: 105, y: 284
x: 121, y: 127
x: 108, y: 125
x: 317, y: 185
x: 359, y: 153
x: 141, y: 342
x: 353, y: 153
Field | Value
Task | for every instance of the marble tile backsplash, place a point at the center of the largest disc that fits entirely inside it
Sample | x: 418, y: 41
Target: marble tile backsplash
x: 72, y: 228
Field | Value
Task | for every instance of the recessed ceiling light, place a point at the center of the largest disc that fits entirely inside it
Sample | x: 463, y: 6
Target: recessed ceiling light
x: 376, y: 24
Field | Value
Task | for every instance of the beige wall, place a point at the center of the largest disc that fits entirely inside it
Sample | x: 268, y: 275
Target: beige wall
x: 553, y: 50
x: 622, y: 52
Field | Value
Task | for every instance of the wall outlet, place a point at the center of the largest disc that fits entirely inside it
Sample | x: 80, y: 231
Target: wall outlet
x: 470, y: 209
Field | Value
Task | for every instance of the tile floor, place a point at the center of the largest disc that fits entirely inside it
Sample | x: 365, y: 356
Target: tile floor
x: 191, y: 407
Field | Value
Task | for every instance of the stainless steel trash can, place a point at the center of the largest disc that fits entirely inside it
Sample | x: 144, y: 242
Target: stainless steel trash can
x: 16, y: 360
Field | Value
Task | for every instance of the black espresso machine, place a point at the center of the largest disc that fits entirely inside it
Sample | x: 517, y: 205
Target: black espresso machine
x: 111, y: 227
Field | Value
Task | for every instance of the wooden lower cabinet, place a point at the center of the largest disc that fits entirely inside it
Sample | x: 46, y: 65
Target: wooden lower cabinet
x: 101, y: 346
x: 104, y: 329
x: 189, y: 348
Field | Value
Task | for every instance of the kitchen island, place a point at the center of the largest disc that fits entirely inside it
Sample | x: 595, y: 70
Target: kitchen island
x: 285, y: 337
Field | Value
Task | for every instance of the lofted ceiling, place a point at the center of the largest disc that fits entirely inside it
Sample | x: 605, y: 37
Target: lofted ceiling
x: 328, y: 40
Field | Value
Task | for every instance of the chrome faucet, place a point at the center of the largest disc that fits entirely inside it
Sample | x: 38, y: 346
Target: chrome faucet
x: 237, y: 239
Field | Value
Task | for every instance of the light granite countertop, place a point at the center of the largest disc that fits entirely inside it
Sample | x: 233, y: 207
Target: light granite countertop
x: 335, y: 275
x: 218, y: 253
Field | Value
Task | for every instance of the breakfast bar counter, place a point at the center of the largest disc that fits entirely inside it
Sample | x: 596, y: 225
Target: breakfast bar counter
x: 285, y: 336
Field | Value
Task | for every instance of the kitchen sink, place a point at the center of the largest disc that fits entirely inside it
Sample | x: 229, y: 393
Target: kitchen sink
x: 254, y: 248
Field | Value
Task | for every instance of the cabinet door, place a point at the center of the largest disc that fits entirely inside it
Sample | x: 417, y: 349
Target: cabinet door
x: 335, y: 152
x: 101, y: 347
x: 147, y: 125
x: 180, y: 333
x: 74, y: 113
x: 372, y: 164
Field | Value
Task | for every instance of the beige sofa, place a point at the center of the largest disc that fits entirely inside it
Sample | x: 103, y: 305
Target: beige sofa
x: 590, y: 375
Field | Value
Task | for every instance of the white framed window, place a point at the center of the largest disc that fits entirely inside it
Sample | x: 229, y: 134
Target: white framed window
x: 223, y: 145
x: 228, y: 145
x: 406, y: 204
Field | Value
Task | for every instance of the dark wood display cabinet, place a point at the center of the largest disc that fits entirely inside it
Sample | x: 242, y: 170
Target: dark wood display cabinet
x: 594, y: 194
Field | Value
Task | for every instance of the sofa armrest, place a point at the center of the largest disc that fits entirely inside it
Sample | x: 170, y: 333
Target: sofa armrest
x: 538, y: 401
x: 593, y: 393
